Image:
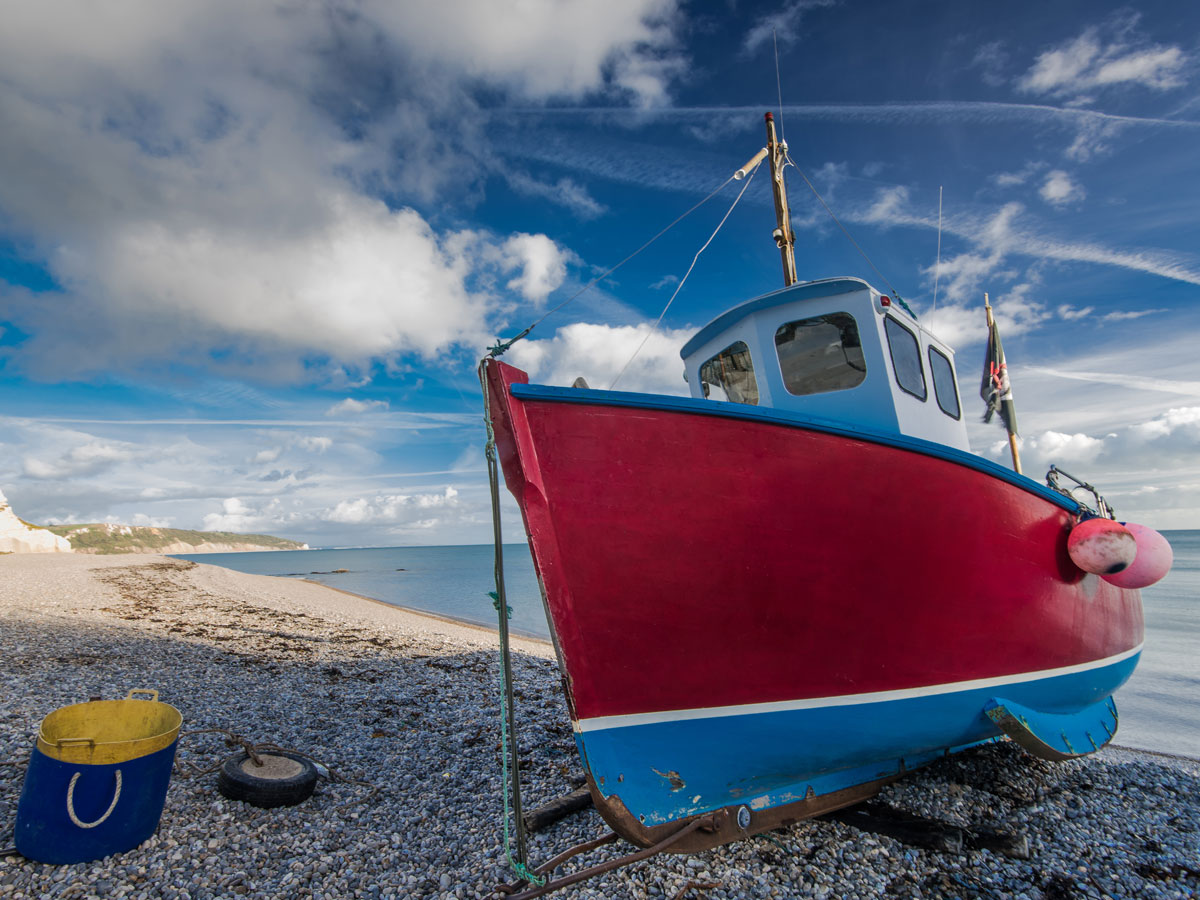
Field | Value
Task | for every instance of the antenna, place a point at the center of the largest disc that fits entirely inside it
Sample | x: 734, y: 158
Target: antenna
x: 778, y: 86
x: 937, y: 267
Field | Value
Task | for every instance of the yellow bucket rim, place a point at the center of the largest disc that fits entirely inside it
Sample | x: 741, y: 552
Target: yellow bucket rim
x: 85, y: 744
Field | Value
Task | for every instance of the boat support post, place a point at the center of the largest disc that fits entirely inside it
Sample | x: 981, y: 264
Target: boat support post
x: 509, y: 745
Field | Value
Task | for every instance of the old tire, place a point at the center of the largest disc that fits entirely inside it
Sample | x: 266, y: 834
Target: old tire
x: 284, y: 779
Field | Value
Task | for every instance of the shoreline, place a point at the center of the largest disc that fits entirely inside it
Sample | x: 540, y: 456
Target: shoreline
x: 405, y: 706
x: 523, y: 635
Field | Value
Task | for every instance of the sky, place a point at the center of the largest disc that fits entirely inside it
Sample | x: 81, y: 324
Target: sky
x: 250, y: 254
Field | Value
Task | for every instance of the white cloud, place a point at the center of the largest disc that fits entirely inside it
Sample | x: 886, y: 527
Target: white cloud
x: 153, y: 160
x: 314, y: 444
x: 390, y: 508
x: 600, y: 352
x: 269, y: 455
x: 1182, y: 420
x: 1086, y: 63
x: 234, y: 516
x: 888, y: 205
x: 540, y: 263
x: 1012, y: 179
x: 150, y: 521
x: 350, y: 406
x: 1055, y: 447
x: 1059, y: 190
x: 90, y: 458
x: 1128, y: 314
x: 783, y: 25
x: 1071, y: 313
x: 991, y: 59
x: 579, y: 47
x: 565, y: 192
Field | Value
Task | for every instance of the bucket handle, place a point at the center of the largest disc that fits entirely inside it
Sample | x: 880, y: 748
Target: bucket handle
x: 153, y: 694
x: 71, y: 802
x: 91, y: 742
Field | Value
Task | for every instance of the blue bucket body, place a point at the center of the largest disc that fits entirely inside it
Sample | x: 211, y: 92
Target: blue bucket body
x: 102, y: 813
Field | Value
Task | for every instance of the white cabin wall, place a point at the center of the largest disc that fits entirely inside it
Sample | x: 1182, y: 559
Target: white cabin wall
x: 745, y: 331
x: 917, y: 418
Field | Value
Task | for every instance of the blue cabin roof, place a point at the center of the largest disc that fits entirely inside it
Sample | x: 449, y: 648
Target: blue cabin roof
x: 837, y: 349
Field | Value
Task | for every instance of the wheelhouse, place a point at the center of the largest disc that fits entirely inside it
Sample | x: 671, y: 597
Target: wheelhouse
x: 835, y: 349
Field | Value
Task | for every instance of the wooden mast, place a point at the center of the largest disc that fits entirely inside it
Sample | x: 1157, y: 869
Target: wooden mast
x: 784, y: 238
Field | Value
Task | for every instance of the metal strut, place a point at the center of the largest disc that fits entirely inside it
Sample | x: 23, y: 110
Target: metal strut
x: 1102, y: 508
x: 707, y: 821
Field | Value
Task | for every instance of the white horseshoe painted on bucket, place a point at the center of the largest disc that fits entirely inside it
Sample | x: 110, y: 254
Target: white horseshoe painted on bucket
x: 71, y: 802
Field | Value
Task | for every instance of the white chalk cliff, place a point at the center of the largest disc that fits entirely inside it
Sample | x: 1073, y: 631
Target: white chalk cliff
x: 17, y: 537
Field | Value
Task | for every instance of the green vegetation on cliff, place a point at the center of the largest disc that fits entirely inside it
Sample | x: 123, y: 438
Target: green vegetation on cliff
x: 106, y: 538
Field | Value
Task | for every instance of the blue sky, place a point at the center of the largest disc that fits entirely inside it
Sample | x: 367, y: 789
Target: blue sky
x: 251, y: 253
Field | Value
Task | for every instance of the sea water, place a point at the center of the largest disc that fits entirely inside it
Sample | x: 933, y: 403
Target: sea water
x: 445, y: 581
x: 1159, y: 707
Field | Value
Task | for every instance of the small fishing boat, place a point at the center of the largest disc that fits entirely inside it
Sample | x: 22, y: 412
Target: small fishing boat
x: 775, y: 595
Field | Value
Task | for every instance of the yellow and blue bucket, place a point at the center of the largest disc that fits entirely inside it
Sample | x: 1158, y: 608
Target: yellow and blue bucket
x: 97, y: 779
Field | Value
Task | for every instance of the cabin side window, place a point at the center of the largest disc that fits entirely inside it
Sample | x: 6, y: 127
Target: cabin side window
x: 906, y: 358
x: 730, y: 375
x: 820, y: 354
x: 944, y: 387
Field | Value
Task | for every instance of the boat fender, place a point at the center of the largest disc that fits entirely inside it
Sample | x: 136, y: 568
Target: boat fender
x: 1153, y: 560
x: 1101, y: 546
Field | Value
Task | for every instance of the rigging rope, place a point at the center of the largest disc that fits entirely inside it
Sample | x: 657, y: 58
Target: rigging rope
x: 937, y: 267
x: 679, y: 286
x: 816, y: 193
x: 503, y: 346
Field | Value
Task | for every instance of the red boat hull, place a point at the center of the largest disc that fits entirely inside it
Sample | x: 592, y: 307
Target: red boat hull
x: 693, y: 560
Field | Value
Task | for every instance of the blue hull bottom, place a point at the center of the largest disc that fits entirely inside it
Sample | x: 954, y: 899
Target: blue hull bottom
x: 664, y: 767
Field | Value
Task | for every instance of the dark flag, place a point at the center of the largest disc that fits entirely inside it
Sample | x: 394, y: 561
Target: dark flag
x: 996, y: 390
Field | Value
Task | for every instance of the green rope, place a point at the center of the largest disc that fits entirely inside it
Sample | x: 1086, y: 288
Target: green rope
x: 498, y: 350
x: 496, y: 604
x: 900, y: 300
x: 518, y: 865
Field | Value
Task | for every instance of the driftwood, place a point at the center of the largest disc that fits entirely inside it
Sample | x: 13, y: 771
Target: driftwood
x: 559, y: 808
x: 930, y: 834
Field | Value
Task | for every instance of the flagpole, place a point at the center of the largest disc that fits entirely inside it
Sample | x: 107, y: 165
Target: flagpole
x: 1012, y: 437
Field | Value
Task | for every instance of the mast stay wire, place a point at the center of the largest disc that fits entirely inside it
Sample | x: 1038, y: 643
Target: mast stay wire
x: 787, y: 161
x: 778, y: 86
x: 895, y: 293
x: 937, y: 266
x: 502, y: 346
x: 683, y: 281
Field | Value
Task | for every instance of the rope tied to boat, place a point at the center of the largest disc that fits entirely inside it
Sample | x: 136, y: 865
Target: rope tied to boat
x: 502, y: 346
x: 520, y: 861
x: 679, y: 287
x: 895, y: 293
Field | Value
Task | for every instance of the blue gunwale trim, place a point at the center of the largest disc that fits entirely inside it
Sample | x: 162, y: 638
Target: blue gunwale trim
x: 725, y: 410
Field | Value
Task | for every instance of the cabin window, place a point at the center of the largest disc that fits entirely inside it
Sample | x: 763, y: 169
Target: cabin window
x: 730, y: 375
x: 944, y: 387
x: 820, y: 354
x: 906, y: 358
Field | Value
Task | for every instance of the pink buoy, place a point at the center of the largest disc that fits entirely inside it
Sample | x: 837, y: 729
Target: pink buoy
x: 1102, y: 546
x: 1153, y: 560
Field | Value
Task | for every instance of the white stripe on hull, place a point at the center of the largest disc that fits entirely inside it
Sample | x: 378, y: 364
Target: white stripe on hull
x: 712, y: 712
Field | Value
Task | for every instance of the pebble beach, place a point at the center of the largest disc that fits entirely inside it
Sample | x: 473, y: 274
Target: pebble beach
x: 402, y: 708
